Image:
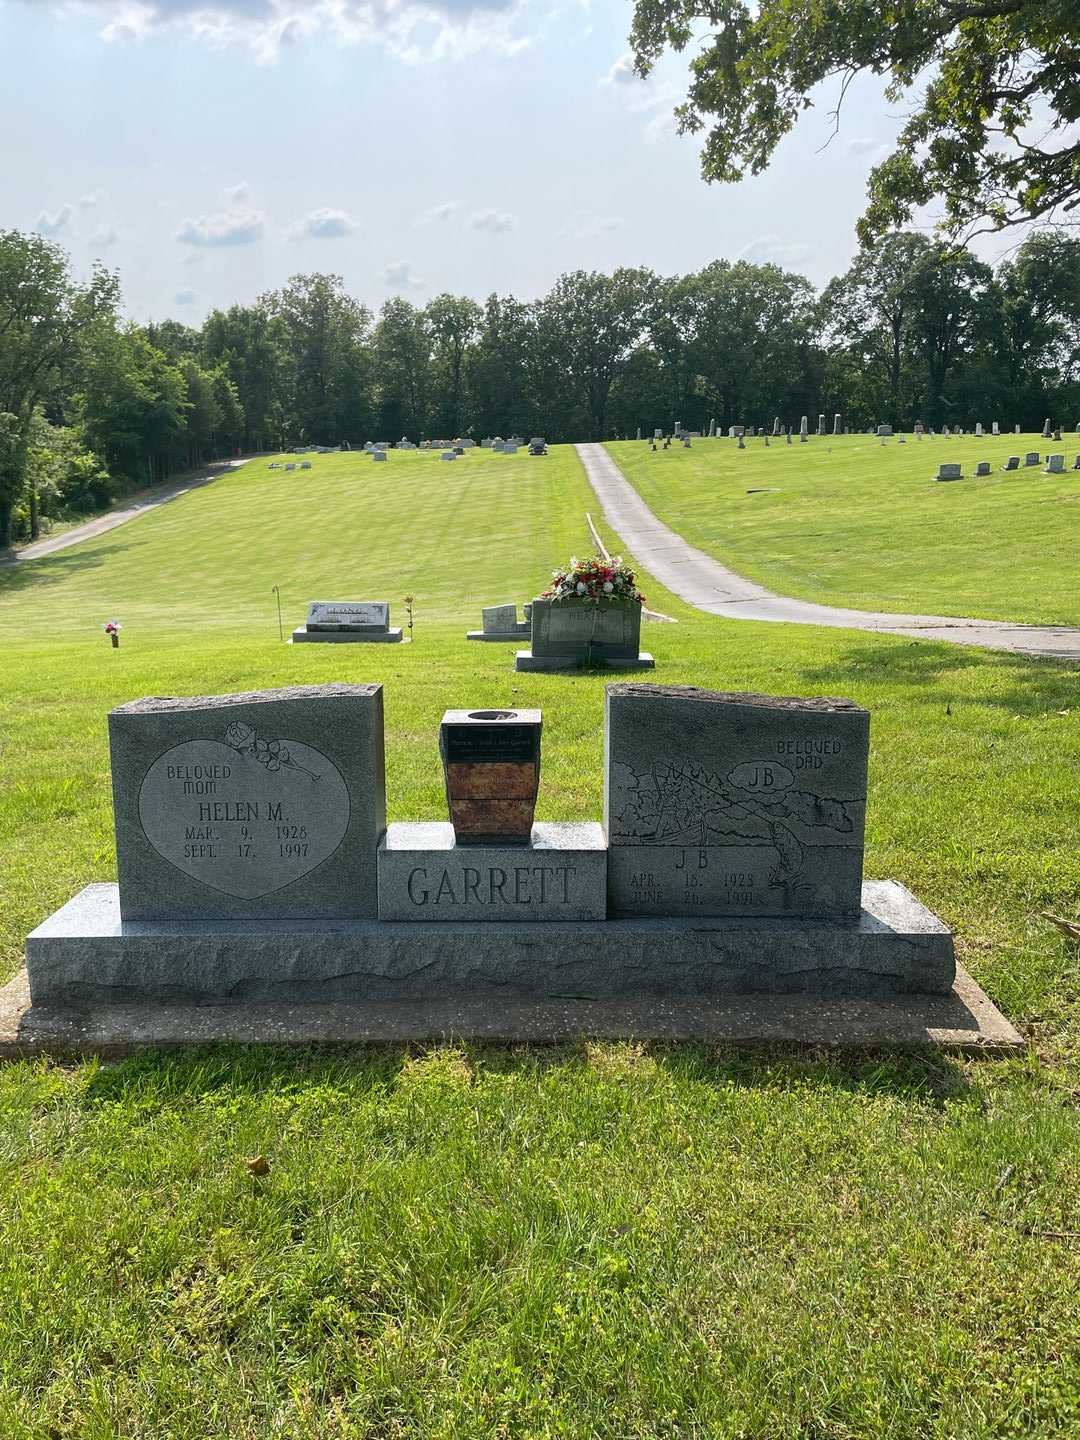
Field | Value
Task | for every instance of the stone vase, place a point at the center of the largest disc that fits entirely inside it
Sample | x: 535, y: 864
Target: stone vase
x: 491, y: 766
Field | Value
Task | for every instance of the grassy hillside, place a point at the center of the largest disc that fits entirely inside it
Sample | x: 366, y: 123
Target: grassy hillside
x: 608, y: 1240
x: 848, y: 521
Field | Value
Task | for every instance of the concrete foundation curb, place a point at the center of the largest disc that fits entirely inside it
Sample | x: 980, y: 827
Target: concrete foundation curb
x: 964, y: 1021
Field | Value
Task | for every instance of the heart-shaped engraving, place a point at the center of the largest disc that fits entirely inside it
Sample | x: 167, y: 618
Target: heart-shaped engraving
x: 244, y: 816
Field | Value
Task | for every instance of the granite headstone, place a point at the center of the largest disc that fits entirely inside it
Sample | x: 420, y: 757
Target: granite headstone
x: 264, y: 805
x: 733, y: 804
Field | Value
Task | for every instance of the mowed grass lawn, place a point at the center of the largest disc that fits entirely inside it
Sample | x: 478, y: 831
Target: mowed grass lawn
x: 848, y: 521
x: 601, y: 1240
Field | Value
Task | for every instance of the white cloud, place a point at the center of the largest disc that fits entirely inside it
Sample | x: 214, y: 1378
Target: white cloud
x: 89, y: 200
x: 661, y: 125
x: 588, y: 227
x: 399, y: 276
x: 416, y: 30
x: 771, y: 250
x: 649, y: 97
x: 103, y: 237
x: 235, y: 227
x: 324, y: 225
x: 185, y: 297
x: 861, y: 145
x: 239, y: 194
x: 493, y: 222
x: 438, y: 214
x: 58, y: 224
x: 622, y: 72
x: 195, y: 257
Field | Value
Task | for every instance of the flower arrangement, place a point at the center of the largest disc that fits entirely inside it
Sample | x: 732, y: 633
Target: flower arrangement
x: 112, y: 629
x: 594, y: 579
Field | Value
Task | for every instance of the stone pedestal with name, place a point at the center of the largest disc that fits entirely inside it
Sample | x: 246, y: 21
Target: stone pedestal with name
x: 568, y: 634
x: 356, y: 622
x: 560, y: 875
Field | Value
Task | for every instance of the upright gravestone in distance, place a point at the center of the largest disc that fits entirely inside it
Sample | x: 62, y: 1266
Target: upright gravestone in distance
x: 1055, y: 464
x: 732, y: 804
x: 948, y: 471
x: 501, y: 624
x: 355, y: 621
x: 259, y: 806
x: 569, y: 633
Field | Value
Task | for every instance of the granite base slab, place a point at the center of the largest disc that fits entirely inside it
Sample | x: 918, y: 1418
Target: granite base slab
x: 426, y: 877
x: 526, y: 660
x: 964, y: 1021
x: 303, y: 636
x: 85, y: 954
x: 499, y: 637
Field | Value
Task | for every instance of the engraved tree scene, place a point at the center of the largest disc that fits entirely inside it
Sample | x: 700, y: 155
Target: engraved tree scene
x: 681, y: 803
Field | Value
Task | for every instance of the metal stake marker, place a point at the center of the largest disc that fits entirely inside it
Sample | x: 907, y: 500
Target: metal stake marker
x: 281, y: 632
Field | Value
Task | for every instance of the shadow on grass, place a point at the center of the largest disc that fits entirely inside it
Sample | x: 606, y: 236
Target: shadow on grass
x: 53, y: 569
x: 1040, y: 684
x: 159, y: 1079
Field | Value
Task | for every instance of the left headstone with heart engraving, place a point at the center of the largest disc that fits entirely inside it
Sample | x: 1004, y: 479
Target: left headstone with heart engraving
x: 268, y: 805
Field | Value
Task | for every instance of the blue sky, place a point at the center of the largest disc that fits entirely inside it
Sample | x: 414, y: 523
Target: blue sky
x: 210, y: 148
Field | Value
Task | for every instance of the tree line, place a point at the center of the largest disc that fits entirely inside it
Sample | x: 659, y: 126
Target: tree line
x: 92, y: 406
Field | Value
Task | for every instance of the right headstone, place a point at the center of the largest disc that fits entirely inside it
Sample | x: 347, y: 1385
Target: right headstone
x: 733, y: 804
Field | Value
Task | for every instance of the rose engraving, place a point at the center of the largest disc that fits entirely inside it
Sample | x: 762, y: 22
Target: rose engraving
x: 271, y: 753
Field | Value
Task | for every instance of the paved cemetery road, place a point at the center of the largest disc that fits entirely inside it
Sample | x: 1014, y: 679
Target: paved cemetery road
x: 148, y: 501
x: 706, y: 584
